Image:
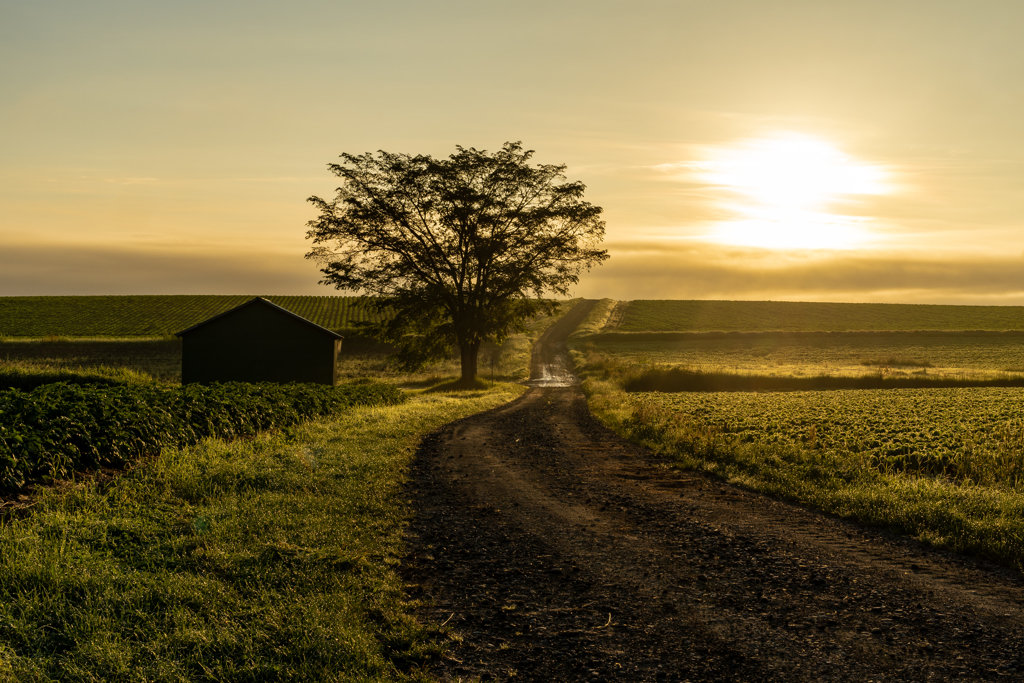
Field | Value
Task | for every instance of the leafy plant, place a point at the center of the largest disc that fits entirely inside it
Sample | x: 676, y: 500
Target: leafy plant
x: 57, y: 429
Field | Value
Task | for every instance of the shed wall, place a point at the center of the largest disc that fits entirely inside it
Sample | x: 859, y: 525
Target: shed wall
x: 259, y: 344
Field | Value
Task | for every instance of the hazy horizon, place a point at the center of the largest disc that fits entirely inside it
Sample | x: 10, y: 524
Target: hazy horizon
x: 861, y: 152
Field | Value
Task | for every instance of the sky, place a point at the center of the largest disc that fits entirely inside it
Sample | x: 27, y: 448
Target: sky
x: 787, y: 150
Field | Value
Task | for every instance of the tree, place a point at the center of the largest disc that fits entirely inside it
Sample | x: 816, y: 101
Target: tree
x: 454, y: 251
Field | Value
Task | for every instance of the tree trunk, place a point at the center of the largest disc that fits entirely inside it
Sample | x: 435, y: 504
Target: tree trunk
x: 469, y: 351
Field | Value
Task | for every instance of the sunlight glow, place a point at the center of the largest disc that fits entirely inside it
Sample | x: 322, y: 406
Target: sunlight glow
x: 779, y: 191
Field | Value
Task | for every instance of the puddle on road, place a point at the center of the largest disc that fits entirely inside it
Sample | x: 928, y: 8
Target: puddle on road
x: 554, y: 375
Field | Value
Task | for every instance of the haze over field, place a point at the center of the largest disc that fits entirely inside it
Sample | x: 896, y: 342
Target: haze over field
x: 797, y: 150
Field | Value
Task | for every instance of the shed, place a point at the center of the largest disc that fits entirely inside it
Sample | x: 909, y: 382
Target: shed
x: 259, y: 342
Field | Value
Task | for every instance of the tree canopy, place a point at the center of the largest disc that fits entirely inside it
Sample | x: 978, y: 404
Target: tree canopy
x: 454, y: 251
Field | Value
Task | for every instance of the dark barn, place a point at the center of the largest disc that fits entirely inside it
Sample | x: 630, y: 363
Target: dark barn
x: 259, y: 342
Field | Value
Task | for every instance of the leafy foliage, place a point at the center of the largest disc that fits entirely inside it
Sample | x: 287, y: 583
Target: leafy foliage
x: 972, y: 435
x: 266, y: 559
x: 58, y: 429
x: 454, y: 251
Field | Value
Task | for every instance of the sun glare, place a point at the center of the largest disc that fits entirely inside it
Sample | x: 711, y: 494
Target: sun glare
x: 780, y: 190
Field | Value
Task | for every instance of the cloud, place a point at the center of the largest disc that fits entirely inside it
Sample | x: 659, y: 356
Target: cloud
x: 637, y: 270
x: 61, y: 270
x: 649, y: 270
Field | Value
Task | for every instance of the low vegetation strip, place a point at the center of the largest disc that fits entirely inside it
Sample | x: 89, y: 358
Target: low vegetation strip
x: 596, y: 320
x: 812, y: 336
x: 686, y: 379
x: 942, y: 465
x: 789, y: 316
x: 58, y: 429
x: 152, y: 316
x: 264, y: 559
x: 26, y: 377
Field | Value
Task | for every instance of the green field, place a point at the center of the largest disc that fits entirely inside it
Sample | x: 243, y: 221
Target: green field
x: 945, y: 465
x: 265, y: 558
x: 27, y: 362
x: 787, y: 316
x: 906, y: 355
x: 152, y: 316
x: 970, y: 435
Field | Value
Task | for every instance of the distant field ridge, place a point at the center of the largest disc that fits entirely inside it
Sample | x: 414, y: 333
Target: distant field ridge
x: 699, y: 316
x: 152, y: 315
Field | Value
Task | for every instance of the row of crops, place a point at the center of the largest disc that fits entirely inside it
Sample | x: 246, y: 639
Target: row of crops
x: 58, y: 429
x: 797, y: 316
x: 810, y: 356
x: 153, y: 316
x: 966, y: 434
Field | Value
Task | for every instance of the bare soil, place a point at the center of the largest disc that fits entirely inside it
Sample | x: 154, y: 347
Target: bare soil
x: 555, y: 551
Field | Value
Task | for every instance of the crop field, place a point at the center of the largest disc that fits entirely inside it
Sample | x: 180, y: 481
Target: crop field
x: 301, y: 522
x: 152, y: 316
x: 945, y: 465
x: 974, y: 435
x: 788, y: 316
x: 897, y: 355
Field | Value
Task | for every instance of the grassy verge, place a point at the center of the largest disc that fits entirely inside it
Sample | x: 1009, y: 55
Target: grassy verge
x: 265, y: 559
x: 596, y: 319
x: 958, y: 514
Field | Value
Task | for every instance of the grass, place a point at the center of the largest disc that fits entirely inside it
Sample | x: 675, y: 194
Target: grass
x: 21, y: 360
x: 951, y: 357
x: 896, y: 362
x: 790, y: 316
x: 681, y: 379
x: 967, y: 498
x: 266, y: 559
x: 158, y: 359
x: 28, y: 376
x: 509, y: 362
x: 596, y: 320
x: 272, y: 558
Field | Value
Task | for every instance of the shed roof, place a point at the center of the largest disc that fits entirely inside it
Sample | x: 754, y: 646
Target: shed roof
x: 260, y: 301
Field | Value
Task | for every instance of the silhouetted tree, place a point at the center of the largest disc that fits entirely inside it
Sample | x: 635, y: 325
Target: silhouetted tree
x: 454, y: 251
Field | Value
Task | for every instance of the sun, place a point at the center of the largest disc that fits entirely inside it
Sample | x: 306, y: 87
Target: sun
x: 780, y: 192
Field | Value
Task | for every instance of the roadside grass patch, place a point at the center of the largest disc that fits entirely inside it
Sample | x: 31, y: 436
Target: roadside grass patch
x: 596, y: 320
x: 943, y: 465
x: 270, y: 558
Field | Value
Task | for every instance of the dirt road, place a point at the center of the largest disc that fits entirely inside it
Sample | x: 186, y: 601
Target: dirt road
x: 556, y: 551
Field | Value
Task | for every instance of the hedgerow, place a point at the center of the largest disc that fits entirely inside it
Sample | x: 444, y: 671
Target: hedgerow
x: 58, y: 429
